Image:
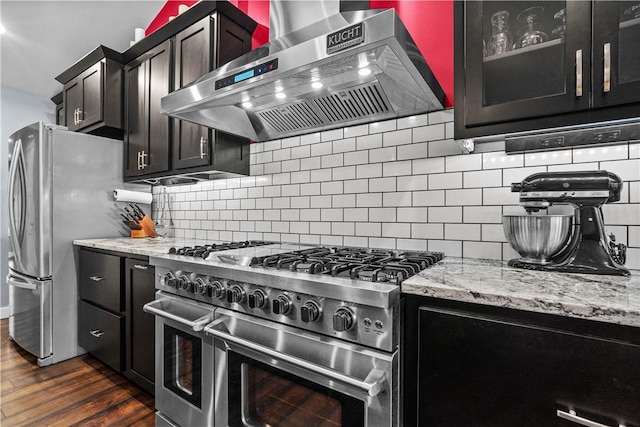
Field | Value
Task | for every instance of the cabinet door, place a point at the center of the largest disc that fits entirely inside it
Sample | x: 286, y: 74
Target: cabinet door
x: 146, y: 136
x: 140, y: 358
x: 91, y: 111
x: 134, y: 121
x: 193, y: 59
x: 72, y: 102
x: 525, y: 59
x: 616, y: 52
x: 476, y: 370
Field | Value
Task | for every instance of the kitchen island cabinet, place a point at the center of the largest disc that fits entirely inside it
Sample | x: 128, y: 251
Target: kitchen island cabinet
x: 577, y: 63
x: 489, y: 345
x: 112, y: 326
x: 500, y: 367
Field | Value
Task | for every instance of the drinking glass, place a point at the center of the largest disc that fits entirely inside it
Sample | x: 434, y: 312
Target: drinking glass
x: 529, y: 34
x: 501, y: 40
x: 562, y: 28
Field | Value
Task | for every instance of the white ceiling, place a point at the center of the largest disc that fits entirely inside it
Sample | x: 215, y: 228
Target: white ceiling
x: 44, y: 38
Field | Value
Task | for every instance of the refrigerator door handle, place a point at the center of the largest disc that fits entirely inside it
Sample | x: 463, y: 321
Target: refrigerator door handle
x: 20, y: 284
x: 13, y: 230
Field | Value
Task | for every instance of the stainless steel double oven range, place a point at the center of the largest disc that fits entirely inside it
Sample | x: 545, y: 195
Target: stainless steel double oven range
x: 266, y: 334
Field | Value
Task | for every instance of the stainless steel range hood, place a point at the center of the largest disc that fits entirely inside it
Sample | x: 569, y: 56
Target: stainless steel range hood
x: 312, y: 76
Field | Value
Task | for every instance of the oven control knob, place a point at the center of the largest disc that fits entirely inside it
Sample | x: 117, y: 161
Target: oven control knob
x: 170, y: 280
x: 310, y: 312
x: 257, y: 299
x: 186, y: 284
x: 235, y: 294
x: 201, y: 287
x: 218, y: 290
x: 282, y: 305
x: 343, y: 319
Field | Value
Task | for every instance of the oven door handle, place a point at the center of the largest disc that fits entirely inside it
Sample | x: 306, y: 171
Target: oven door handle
x: 197, y: 325
x: 373, y: 384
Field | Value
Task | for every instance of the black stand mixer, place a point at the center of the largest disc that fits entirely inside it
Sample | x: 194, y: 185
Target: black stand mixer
x: 589, y: 250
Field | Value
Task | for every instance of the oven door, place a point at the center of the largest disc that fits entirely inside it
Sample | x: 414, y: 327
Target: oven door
x: 269, y: 374
x: 184, y: 360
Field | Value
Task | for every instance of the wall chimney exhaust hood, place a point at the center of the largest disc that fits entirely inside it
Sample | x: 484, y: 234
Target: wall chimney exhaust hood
x: 323, y: 68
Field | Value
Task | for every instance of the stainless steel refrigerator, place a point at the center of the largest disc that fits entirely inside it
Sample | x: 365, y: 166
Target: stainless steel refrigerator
x: 60, y: 189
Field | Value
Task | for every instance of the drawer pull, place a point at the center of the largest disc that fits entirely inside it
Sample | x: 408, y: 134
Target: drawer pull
x: 141, y: 267
x: 606, y: 86
x: 571, y: 416
x: 96, y: 278
x: 97, y: 333
x: 579, y: 72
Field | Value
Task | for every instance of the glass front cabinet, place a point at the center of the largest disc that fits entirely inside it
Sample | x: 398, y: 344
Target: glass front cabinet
x: 530, y: 65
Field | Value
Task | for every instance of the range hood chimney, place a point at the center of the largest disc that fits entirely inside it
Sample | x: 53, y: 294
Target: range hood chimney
x: 326, y: 66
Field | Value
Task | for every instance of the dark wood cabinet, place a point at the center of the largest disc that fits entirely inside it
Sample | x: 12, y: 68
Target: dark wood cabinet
x: 157, y: 147
x: 92, y: 94
x: 140, y: 326
x: 201, y: 48
x: 486, y: 366
x: 147, y: 131
x: 112, y: 326
x: 510, y: 78
x: 57, y: 99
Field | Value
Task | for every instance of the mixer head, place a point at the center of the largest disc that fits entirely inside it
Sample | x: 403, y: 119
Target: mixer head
x: 584, y: 188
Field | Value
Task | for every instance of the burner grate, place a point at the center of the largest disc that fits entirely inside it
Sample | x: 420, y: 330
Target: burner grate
x: 203, y: 251
x: 373, y: 265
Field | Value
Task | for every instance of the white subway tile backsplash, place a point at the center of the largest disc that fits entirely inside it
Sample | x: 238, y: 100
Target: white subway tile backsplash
x: 369, y: 142
x: 481, y: 179
x: 445, y: 214
x: 411, y: 182
x: 331, y: 135
x: 353, y: 131
x: 418, y: 150
x: 396, y: 168
x: 482, y: 214
x: 300, y: 152
x: 399, y: 137
x: 402, y: 183
x: 627, y: 170
x: 545, y: 158
x: 412, y: 121
x: 484, y: 250
x: 343, y: 173
x: 428, y: 133
x: 443, y: 181
x: 471, y: 162
x: 380, y: 155
x: 463, y: 197
x: 344, y: 145
x: 369, y: 229
x: 428, y: 166
x: 493, y: 233
x: 429, y: 198
x: 427, y: 231
x: 379, y: 215
x: 396, y: 230
x: 379, y: 127
x: 446, y: 147
x: 396, y: 199
x: 499, y: 196
x: 598, y: 154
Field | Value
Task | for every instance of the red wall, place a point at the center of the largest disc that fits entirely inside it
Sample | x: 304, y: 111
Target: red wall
x: 430, y: 23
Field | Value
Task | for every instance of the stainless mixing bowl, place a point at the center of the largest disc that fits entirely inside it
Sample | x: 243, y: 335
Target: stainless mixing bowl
x: 537, y: 237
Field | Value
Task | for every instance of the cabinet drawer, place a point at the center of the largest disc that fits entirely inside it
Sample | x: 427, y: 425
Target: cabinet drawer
x: 101, y: 334
x: 101, y: 281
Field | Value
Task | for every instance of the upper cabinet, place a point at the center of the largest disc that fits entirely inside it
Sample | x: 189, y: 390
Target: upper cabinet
x: 92, y: 94
x: 530, y: 65
x: 157, y: 147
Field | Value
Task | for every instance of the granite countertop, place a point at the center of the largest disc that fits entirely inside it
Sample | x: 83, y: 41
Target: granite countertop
x: 148, y: 246
x: 613, y: 299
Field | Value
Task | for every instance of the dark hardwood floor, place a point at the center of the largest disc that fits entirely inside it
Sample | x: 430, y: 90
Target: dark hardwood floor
x: 77, y: 392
